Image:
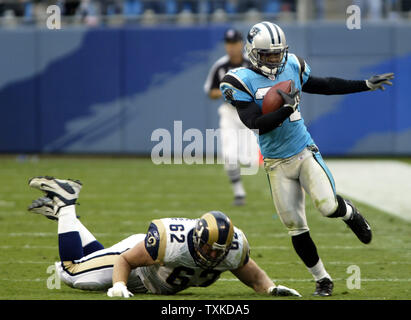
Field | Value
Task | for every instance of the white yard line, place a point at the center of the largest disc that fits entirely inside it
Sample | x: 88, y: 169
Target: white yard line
x: 234, y: 279
x: 383, y: 184
x: 334, y: 279
x: 28, y: 246
x: 265, y: 262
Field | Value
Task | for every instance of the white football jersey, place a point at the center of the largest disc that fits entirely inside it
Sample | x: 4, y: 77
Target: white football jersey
x: 170, y: 243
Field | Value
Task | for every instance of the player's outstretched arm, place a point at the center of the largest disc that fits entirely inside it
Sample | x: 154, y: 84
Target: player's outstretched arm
x: 253, y: 276
x: 331, y: 85
x: 128, y: 260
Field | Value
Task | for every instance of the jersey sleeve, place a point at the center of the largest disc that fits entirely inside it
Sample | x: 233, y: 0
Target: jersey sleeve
x: 212, y: 81
x: 245, y: 254
x: 302, y: 67
x: 156, y: 240
x: 306, y: 73
x: 234, y: 88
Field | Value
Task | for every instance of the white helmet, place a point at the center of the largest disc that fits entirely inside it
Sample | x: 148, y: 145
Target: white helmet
x: 267, y: 38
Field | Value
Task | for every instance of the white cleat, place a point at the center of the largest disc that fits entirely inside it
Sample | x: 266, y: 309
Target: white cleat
x: 44, y: 206
x: 62, y: 192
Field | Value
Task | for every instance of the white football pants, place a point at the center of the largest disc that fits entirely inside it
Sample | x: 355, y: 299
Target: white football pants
x: 95, y: 271
x: 290, y: 177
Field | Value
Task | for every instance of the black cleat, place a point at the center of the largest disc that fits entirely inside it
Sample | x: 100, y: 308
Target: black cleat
x: 239, y: 201
x: 359, y: 225
x: 324, y: 287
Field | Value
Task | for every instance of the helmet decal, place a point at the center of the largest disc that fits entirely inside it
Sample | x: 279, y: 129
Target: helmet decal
x: 253, y: 32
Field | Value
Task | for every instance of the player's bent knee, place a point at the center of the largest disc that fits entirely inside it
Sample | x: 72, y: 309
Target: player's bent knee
x: 340, y: 209
x: 293, y: 222
x: 327, y: 206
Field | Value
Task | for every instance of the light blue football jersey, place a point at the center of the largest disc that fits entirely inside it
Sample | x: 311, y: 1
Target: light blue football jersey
x: 292, y: 136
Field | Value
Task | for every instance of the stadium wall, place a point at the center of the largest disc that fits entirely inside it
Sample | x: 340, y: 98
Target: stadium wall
x: 106, y: 90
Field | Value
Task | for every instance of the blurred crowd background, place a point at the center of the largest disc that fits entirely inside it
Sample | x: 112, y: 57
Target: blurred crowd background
x: 14, y: 13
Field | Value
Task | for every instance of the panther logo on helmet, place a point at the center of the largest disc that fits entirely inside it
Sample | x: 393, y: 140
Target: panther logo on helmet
x: 253, y: 32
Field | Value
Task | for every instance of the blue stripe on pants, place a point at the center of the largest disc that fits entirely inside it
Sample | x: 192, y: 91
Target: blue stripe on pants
x: 320, y: 160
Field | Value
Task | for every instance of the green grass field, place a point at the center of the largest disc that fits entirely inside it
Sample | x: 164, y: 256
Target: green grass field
x: 121, y: 196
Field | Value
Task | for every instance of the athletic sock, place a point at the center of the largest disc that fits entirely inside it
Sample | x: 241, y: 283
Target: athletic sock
x: 88, y: 241
x: 341, y: 210
x: 236, y: 183
x: 70, y: 247
x: 238, y: 189
x: 305, y: 248
x: 349, y: 212
x: 318, y: 271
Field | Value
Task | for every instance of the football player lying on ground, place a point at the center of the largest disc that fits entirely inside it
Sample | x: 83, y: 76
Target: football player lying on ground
x: 176, y: 253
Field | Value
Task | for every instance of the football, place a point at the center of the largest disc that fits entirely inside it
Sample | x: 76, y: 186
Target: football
x: 272, y: 100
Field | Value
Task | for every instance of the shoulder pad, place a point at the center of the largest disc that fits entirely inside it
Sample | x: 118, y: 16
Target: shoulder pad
x: 237, y: 78
x: 156, y: 240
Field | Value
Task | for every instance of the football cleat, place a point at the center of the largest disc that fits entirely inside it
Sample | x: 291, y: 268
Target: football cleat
x: 239, y: 201
x: 324, y: 287
x: 62, y: 192
x: 44, y: 206
x: 359, y: 225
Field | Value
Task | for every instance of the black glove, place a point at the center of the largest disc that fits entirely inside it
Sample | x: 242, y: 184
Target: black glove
x: 376, y: 82
x: 292, y: 99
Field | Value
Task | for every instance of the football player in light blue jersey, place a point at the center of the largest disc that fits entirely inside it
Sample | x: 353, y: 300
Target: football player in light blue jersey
x: 291, y: 159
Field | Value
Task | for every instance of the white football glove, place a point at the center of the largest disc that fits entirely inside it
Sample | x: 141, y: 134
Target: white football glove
x: 283, y: 291
x: 376, y: 82
x: 119, y: 289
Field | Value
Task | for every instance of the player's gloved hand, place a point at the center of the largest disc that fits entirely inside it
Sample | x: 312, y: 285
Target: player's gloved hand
x: 283, y: 291
x: 292, y: 99
x: 119, y: 289
x: 376, y: 82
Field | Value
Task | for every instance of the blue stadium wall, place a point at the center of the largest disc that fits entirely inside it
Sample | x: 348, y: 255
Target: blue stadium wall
x: 106, y: 90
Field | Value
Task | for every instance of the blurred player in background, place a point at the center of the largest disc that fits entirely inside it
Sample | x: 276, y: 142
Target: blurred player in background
x: 234, y: 148
x: 292, y: 161
x: 175, y: 253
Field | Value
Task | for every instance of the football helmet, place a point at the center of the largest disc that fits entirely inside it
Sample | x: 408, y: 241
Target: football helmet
x: 212, y: 238
x: 267, y: 49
